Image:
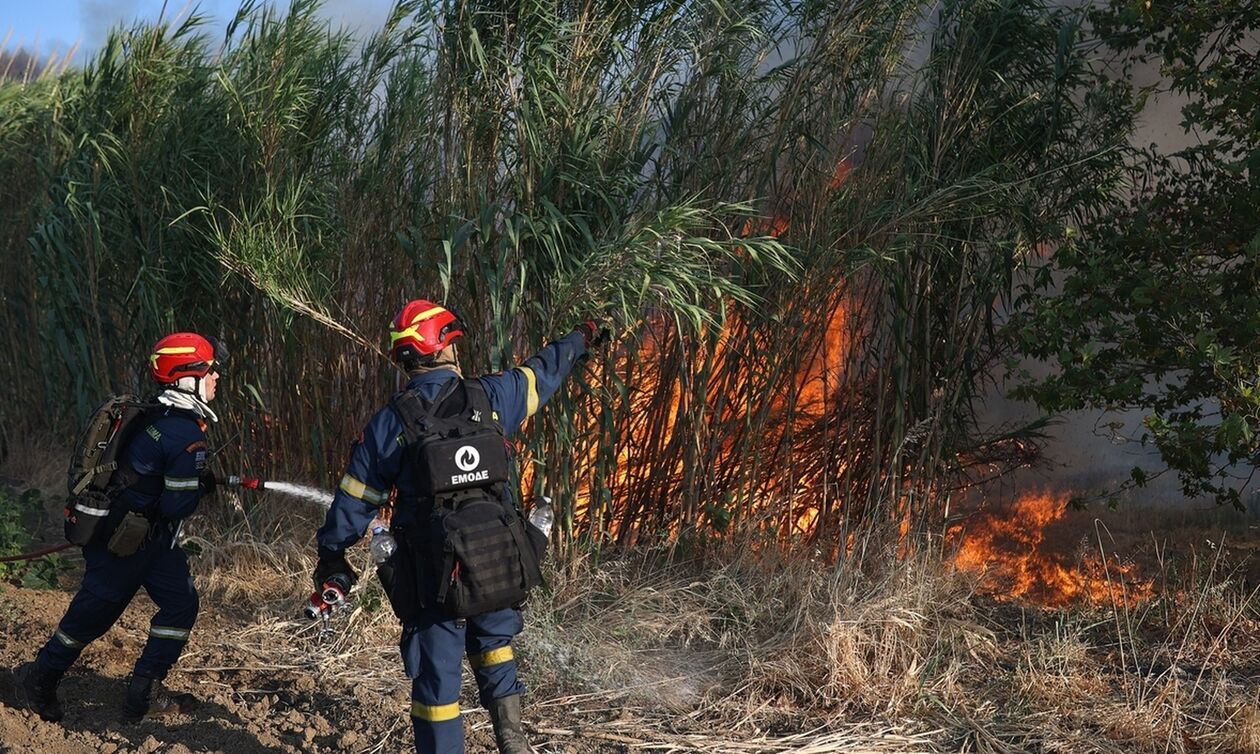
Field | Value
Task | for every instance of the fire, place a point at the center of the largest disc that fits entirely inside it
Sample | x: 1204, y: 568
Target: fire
x: 1010, y: 553
x: 823, y: 374
x: 668, y: 467
x: 660, y: 401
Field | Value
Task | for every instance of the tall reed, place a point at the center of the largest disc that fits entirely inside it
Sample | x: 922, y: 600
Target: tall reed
x: 802, y: 231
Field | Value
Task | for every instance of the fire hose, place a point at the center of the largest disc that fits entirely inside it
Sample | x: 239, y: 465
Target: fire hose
x: 37, y: 553
x: 232, y: 480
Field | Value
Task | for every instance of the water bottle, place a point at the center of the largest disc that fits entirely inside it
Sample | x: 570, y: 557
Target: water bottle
x: 383, y: 544
x: 542, y: 516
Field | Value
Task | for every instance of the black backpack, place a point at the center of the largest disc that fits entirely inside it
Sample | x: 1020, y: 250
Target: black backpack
x: 94, y: 478
x: 472, y: 553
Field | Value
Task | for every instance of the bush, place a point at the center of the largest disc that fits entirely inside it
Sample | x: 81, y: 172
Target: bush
x: 19, y: 515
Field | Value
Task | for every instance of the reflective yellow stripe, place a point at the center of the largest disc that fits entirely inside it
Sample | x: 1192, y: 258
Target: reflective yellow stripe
x: 396, y: 335
x: 167, y: 632
x: 170, y: 350
x: 435, y: 713
x: 356, y: 489
x: 422, y: 316
x: 492, y: 657
x: 531, y: 391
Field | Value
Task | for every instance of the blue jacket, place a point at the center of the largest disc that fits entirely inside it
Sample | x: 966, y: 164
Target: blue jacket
x: 376, y: 459
x: 170, y: 447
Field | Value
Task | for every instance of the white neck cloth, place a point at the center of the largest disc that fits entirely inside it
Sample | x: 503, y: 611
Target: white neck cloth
x: 177, y: 398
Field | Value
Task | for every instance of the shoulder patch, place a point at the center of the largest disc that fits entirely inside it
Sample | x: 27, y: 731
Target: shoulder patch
x: 195, y: 446
x: 153, y: 432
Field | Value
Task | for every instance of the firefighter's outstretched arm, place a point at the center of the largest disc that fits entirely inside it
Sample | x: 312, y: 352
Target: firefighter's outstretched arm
x: 374, y: 463
x: 518, y: 393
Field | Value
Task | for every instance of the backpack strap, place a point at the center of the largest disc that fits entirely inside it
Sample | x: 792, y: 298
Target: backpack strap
x: 127, y: 478
x: 416, y: 413
x: 478, y: 404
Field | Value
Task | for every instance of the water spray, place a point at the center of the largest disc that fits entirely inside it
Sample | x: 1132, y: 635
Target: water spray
x: 332, y: 593
x: 311, y: 494
x: 322, y: 498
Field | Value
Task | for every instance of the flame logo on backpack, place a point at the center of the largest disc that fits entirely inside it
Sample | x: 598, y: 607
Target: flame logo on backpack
x: 467, y: 458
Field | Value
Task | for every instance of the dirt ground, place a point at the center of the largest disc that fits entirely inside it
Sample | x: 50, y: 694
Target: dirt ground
x: 238, y: 702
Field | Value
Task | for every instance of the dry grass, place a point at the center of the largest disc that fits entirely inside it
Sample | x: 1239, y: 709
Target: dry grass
x: 753, y: 647
x: 756, y: 654
x: 749, y: 652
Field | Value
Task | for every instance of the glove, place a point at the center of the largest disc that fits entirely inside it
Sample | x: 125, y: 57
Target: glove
x: 593, y: 333
x: 207, y: 484
x: 331, y: 563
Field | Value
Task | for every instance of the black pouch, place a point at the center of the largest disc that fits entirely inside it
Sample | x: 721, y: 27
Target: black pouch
x: 85, y: 513
x: 398, y: 577
x: 129, y: 536
x: 488, y: 562
x: 537, y: 542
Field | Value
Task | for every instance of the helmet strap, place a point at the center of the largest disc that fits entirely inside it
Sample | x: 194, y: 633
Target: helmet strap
x: 187, y: 384
x: 201, y: 390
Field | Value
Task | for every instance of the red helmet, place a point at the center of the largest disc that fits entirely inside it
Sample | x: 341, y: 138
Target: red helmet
x: 182, y: 354
x: 422, y: 329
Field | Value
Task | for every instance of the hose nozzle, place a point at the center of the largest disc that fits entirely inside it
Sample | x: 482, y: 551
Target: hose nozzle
x: 249, y: 483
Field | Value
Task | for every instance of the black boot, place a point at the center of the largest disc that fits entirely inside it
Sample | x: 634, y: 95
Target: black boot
x: 37, y: 690
x: 509, y: 734
x: 147, y: 698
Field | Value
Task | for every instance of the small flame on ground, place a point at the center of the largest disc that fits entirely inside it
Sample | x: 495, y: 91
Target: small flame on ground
x: 312, y: 494
x: 1009, y: 552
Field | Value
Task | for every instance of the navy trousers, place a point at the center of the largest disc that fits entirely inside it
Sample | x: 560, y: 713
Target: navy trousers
x: 432, y: 647
x: 109, y: 583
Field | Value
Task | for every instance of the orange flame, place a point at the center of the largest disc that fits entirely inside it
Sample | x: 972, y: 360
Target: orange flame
x: 1014, y: 561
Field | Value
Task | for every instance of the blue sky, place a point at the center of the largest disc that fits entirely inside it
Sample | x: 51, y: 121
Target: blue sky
x: 49, y: 27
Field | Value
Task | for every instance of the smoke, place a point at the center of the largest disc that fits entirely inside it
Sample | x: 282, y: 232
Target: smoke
x: 1087, y: 452
x: 1093, y: 450
x: 97, y: 17
x: 19, y: 64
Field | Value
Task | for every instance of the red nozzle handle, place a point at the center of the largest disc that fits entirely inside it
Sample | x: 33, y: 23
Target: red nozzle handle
x: 249, y: 483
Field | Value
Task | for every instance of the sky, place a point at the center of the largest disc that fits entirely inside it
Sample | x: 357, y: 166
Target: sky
x: 52, y: 27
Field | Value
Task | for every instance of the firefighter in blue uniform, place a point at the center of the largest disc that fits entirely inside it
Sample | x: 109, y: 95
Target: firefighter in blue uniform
x: 433, y: 643
x: 166, y: 467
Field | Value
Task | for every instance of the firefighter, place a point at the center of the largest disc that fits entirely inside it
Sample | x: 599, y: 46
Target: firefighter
x: 166, y: 478
x: 423, y: 343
